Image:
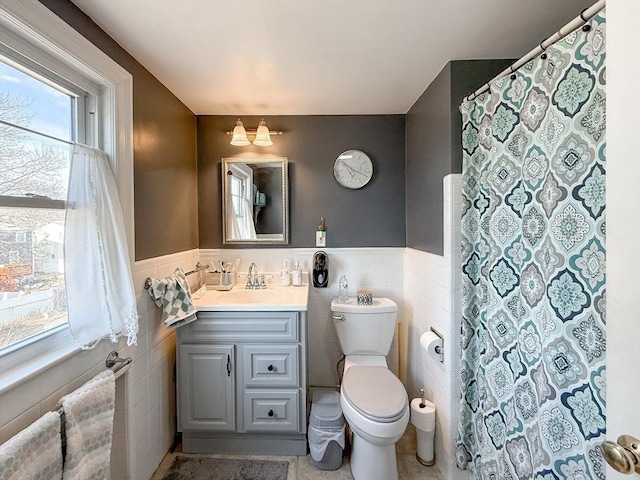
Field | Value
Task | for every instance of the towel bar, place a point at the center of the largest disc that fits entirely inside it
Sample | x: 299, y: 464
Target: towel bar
x: 112, y: 360
x: 147, y: 282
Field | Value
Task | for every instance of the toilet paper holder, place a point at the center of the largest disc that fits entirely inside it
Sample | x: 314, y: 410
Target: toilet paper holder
x: 439, y: 349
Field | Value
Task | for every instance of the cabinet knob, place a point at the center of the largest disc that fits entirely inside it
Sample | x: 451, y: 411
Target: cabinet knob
x: 270, y: 368
x: 270, y: 413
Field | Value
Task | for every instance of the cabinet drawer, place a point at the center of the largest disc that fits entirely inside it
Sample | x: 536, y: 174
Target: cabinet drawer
x: 271, y: 410
x: 242, y: 326
x: 270, y: 365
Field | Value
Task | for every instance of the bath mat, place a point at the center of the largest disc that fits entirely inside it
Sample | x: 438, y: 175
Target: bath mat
x: 200, y: 468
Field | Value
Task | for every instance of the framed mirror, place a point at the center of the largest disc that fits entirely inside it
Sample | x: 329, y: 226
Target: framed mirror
x: 255, y: 201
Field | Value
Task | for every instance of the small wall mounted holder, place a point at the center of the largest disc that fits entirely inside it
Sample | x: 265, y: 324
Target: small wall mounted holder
x: 320, y: 269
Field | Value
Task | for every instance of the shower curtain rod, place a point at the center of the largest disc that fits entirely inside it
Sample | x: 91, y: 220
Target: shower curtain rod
x: 581, y: 19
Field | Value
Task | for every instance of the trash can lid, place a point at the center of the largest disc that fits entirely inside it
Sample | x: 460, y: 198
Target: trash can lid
x: 326, y: 410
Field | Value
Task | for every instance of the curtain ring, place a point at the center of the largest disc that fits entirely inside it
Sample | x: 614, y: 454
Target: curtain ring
x: 513, y: 75
x: 585, y: 28
x: 582, y: 15
x: 544, y: 53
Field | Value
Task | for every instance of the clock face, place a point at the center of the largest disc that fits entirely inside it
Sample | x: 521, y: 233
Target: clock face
x: 353, y: 169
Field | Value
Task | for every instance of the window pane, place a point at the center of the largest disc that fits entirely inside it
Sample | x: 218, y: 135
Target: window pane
x: 31, y: 103
x: 33, y: 165
x: 32, y: 290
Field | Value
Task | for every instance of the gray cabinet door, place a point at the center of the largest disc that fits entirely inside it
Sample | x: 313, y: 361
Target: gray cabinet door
x: 207, y: 387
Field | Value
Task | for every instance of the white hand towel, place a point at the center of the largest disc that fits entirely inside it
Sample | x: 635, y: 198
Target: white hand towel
x: 88, y: 413
x: 173, y: 295
x: 35, y: 452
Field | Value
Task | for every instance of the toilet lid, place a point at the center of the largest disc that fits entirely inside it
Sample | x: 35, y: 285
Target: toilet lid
x: 375, y: 393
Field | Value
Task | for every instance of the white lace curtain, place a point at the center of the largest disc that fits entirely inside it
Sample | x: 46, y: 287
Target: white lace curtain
x: 100, y: 295
x: 241, y: 227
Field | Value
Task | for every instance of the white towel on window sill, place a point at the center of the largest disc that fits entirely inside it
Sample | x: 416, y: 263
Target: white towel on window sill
x: 173, y: 295
x: 88, y: 413
x: 35, y: 452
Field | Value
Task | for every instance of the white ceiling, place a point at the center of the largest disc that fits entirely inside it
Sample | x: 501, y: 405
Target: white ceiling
x: 304, y: 57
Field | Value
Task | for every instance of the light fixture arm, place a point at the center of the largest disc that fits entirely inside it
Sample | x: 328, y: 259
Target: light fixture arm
x: 253, y: 131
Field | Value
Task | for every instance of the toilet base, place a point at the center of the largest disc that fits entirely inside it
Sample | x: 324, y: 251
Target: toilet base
x: 373, y: 462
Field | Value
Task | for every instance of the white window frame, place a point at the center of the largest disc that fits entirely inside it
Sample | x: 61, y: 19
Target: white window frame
x: 44, y: 31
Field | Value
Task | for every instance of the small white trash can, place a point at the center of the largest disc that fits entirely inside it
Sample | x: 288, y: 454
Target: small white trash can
x: 326, y: 430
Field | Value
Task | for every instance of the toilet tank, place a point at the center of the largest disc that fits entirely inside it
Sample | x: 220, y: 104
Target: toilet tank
x: 365, y: 329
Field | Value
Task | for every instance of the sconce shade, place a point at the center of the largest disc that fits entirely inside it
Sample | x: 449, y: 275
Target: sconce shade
x: 263, y: 139
x: 239, y: 138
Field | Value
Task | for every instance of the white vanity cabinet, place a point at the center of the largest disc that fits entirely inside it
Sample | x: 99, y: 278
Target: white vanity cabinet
x: 242, y: 383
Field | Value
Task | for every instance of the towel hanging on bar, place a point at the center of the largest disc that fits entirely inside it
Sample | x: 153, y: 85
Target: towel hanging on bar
x: 34, y: 452
x: 173, y: 295
x: 88, y: 413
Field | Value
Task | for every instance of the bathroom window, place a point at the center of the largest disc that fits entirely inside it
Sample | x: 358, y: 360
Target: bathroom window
x: 237, y: 195
x: 240, y: 186
x: 56, y: 89
x: 41, y: 113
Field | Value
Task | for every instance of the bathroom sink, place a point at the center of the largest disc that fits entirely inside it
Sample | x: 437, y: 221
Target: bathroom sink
x: 269, y: 295
x: 273, y: 298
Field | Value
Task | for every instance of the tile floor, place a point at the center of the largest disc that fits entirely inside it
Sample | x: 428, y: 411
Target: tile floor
x: 302, y: 468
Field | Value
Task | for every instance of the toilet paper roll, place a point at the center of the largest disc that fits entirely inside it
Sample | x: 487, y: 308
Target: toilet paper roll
x: 423, y: 416
x: 432, y: 343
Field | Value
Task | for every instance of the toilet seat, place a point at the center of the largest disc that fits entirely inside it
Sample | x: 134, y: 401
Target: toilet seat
x: 375, y: 393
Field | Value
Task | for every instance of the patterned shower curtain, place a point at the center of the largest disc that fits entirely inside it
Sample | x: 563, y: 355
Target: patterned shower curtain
x: 533, y: 268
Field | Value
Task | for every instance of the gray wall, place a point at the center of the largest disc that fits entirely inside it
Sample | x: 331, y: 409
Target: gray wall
x: 373, y: 216
x: 177, y: 201
x: 434, y: 146
x: 164, y: 143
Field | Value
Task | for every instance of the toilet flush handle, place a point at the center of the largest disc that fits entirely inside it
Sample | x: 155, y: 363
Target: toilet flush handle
x: 338, y: 317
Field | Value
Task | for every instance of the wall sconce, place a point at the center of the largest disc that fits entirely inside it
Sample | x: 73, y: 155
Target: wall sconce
x: 262, y: 135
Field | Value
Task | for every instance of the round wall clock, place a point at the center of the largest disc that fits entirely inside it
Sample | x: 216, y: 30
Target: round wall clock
x: 353, y: 169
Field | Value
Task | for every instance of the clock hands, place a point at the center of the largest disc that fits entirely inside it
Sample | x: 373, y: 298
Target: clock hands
x: 353, y: 170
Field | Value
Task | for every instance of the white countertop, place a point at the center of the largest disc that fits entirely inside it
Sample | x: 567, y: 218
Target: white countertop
x: 272, y: 299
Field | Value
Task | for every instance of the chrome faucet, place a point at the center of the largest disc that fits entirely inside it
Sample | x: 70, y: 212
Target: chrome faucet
x: 252, y: 277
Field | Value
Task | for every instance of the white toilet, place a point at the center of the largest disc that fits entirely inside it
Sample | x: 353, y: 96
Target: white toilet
x: 373, y: 400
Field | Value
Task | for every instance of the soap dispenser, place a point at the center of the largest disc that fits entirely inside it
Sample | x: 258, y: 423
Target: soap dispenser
x: 285, y: 279
x: 297, y: 274
x: 320, y: 269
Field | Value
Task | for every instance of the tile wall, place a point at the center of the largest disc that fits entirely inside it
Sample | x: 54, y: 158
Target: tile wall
x: 432, y: 299
x: 378, y: 269
x: 420, y: 283
x: 152, y: 418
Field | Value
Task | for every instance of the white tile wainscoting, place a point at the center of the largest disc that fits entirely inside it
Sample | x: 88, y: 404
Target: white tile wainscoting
x: 378, y: 269
x: 145, y: 407
x: 432, y: 299
x: 422, y: 284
